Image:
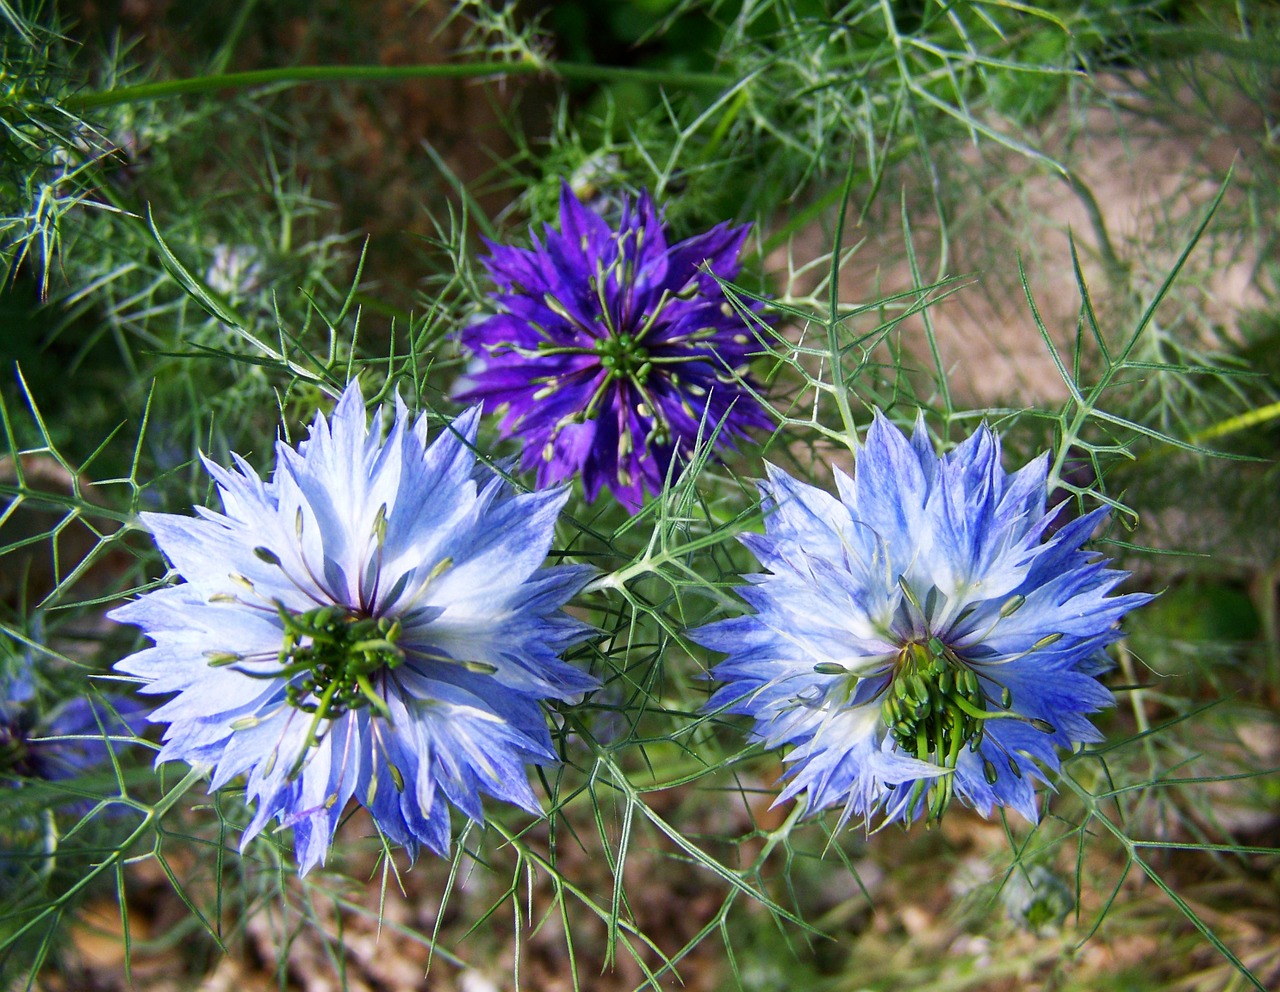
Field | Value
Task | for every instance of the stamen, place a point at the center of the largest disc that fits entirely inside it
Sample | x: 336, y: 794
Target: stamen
x: 935, y: 706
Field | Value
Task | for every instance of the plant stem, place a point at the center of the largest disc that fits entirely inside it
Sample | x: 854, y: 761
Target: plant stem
x: 1263, y: 589
x: 150, y: 819
x: 298, y: 74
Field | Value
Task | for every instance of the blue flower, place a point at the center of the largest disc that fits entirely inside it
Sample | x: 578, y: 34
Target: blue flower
x: 374, y: 623
x: 611, y: 347
x: 919, y: 637
x: 50, y: 736
x: 66, y: 739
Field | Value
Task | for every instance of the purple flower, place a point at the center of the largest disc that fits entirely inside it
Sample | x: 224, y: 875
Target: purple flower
x: 919, y: 638
x: 610, y: 348
x: 374, y: 623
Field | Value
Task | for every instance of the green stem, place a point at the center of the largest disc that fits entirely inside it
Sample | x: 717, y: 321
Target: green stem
x: 1116, y: 270
x: 298, y: 74
x: 228, y: 46
x: 1232, y: 425
x: 1264, y: 601
x: 839, y: 385
x: 1138, y: 702
x: 149, y: 823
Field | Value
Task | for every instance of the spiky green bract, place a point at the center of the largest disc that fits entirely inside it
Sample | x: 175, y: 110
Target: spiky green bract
x: 375, y: 622
x: 919, y: 638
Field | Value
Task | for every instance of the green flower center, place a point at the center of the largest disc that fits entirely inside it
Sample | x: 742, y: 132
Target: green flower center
x: 13, y: 749
x: 624, y: 357
x: 329, y: 658
x: 934, y: 706
x: 330, y: 655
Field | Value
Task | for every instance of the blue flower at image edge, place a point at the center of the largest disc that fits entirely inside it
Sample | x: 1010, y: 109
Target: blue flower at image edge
x: 70, y: 739
x: 47, y: 737
x: 919, y: 638
x: 611, y: 348
x: 375, y: 622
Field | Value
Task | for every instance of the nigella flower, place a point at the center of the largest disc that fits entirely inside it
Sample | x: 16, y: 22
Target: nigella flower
x: 73, y: 737
x: 611, y: 348
x: 375, y: 622
x: 50, y: 736
x: 919, y: 637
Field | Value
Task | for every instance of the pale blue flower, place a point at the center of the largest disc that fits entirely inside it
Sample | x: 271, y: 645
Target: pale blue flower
x: 919, y: 637
x: 374, y: 623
